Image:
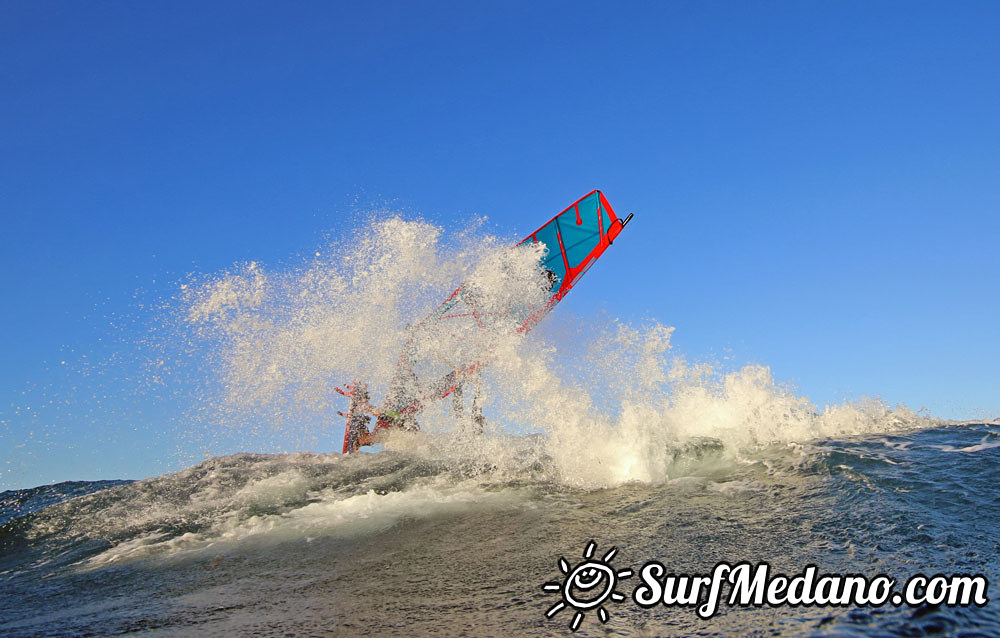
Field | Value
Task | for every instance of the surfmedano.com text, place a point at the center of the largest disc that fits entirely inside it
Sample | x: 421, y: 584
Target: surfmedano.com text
x: 754, y: 585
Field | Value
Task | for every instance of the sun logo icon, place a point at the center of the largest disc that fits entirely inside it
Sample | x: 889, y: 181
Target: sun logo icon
x: 587, y: 586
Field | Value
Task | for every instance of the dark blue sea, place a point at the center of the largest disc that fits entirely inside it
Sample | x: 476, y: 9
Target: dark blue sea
x: 416, y: 543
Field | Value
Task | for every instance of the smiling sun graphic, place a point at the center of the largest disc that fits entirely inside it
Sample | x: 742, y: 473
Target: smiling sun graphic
x: 587, y: 586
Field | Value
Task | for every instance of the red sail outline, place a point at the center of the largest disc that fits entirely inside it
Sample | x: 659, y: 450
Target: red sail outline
x: 573, y: 274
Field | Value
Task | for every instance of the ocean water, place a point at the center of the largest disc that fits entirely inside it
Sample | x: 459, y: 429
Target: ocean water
x: 418, y: 543
x: 684, y: 461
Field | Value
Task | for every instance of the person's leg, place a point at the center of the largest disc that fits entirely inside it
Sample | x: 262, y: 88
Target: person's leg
x: 458, y: 404
x: 357, y: 419
x: 478, y: 420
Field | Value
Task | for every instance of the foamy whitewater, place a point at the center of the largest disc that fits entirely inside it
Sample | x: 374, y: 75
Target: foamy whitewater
x: 596, y: 429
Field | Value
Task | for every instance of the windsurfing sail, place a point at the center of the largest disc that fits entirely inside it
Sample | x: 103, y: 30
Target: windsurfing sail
x: 456, y: 339
x: 574, y: 240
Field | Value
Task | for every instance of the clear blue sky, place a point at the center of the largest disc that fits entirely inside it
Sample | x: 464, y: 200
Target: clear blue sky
x: 816, y: 184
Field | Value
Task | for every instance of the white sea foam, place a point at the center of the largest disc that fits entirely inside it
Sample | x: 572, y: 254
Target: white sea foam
x: 987, y: 443
x: 329, y: 515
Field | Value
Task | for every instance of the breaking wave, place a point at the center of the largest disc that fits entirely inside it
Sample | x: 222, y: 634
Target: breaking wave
x: 610, y: 401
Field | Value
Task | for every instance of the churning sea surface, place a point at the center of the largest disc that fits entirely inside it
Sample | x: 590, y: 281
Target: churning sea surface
x: 414, y: 542
x: 442, y: 533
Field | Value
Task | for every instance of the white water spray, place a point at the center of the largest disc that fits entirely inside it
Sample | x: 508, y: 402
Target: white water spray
x: 281, y: 340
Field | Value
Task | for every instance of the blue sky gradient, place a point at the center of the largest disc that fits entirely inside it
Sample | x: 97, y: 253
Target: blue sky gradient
x: 816, y: 184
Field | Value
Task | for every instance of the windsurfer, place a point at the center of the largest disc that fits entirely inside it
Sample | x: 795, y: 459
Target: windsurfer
x: 401, y: 408
x: 570, y: 243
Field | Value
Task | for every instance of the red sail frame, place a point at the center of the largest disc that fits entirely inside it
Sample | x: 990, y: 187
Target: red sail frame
x: 574, y: 273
